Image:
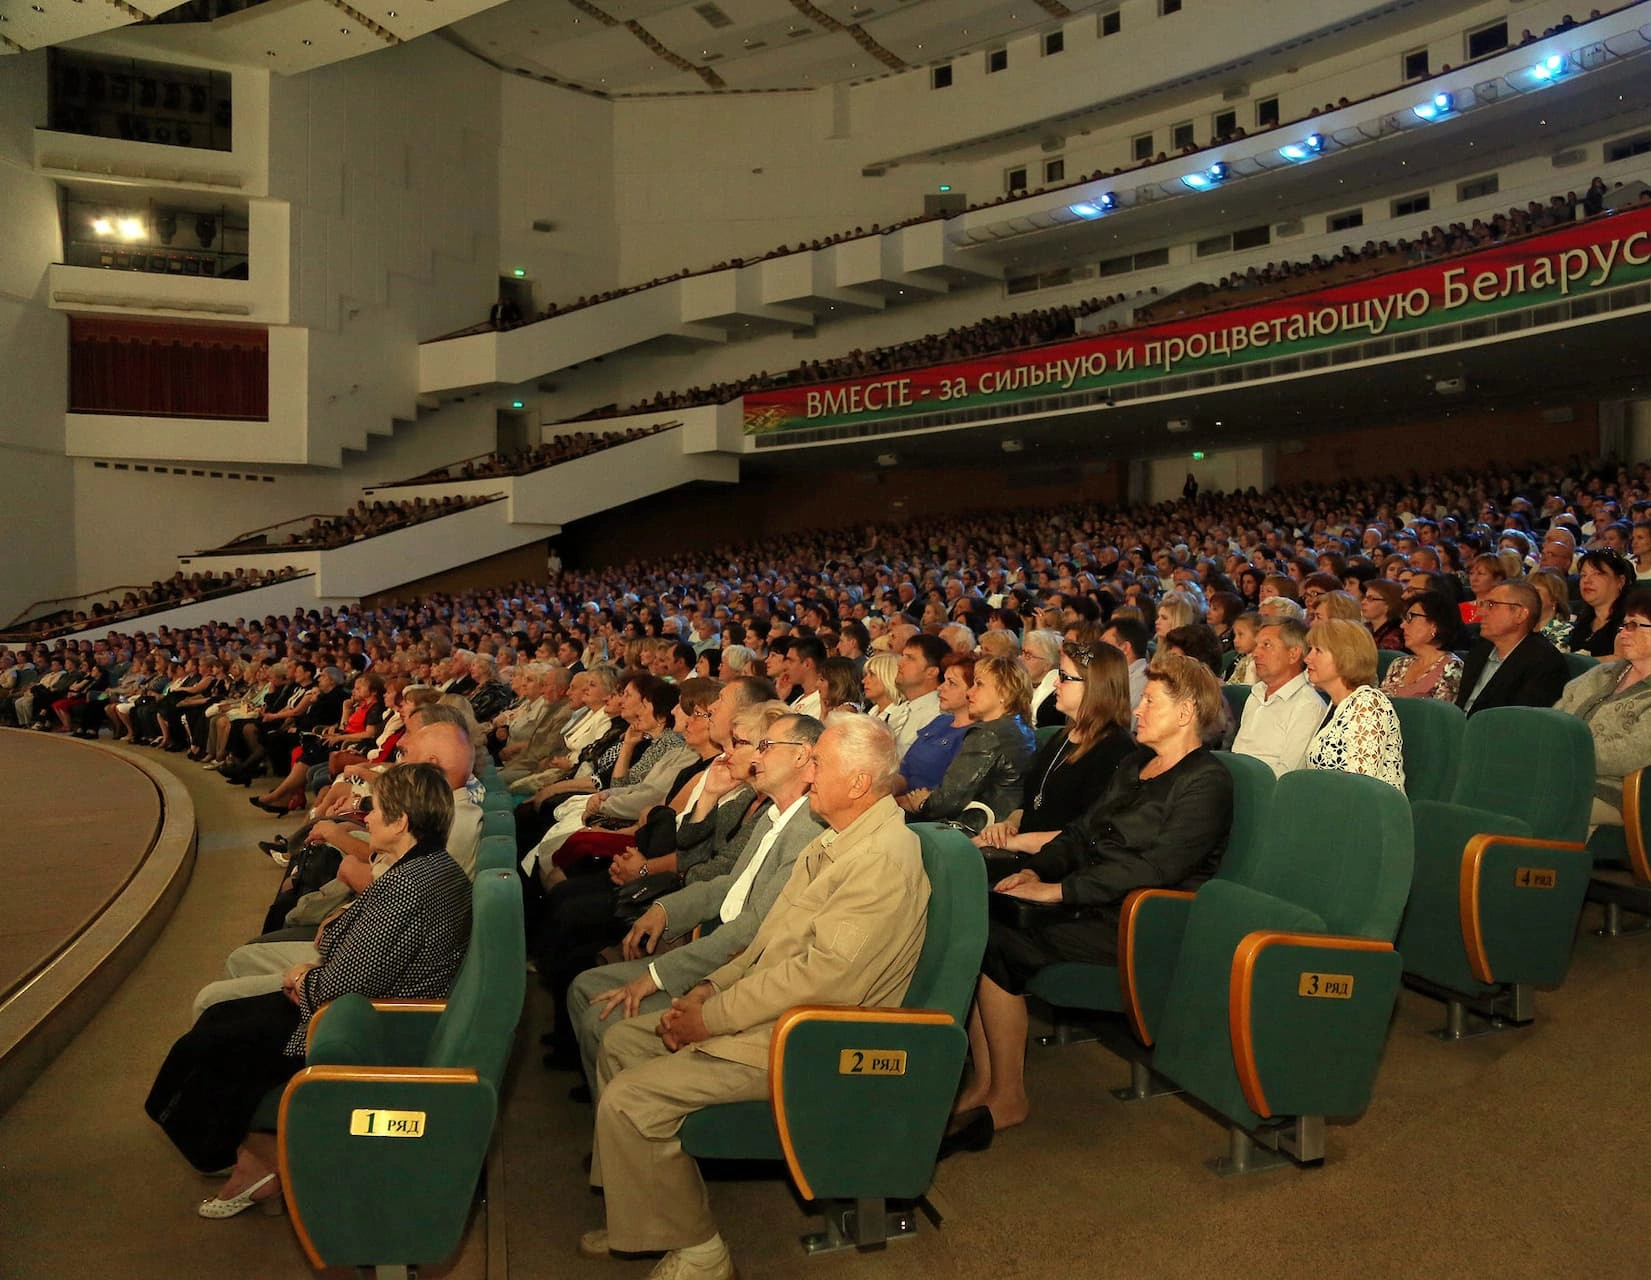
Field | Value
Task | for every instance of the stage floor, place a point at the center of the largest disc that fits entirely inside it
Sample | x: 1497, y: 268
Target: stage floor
x: 75, y: 825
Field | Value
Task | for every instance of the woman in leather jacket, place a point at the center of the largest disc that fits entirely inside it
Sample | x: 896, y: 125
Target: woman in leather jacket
x: 990, y: 766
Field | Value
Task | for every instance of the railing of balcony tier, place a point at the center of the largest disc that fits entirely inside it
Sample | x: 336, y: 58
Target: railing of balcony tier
x: 1536, y: 316
x: 26, y: 626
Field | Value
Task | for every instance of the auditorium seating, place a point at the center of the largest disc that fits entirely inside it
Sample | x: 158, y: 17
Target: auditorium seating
x: 1622, y: 866
x: 860, y: 1097
x: 1432, y: 733
x: 1093, y: 988
x: 1500, y: 868
x: 384, y: 1132
x: 1266, y: 996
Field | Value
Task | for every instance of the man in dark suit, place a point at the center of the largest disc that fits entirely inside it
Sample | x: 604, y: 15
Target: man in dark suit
x: 1509, y: 665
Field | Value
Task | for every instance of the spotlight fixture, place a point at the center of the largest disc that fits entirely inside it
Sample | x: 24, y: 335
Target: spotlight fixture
x: 102, y: 226
x: 1438, y: 105
x: 1306, y: 149
x: 1549, y: 68
x: 206, y: 228
x: 130, y: 229
x: 1084, y: 209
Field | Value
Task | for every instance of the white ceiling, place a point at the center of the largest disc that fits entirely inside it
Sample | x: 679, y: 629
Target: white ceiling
x: 615, y: 47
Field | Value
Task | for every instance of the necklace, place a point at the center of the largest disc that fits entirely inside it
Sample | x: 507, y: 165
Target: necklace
x: 1056, y: 763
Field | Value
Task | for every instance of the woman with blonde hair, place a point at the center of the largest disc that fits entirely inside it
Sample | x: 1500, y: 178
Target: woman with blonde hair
x: 1555, y: 625
x: 880, y: 682
x: 987, y: 770
x: 1361, y: 734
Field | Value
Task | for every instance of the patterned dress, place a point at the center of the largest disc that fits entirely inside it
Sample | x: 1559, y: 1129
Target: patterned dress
x: 1361, y: 735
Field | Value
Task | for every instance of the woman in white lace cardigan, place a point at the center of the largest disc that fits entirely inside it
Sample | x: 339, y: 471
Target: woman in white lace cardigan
x: 1360, y: 734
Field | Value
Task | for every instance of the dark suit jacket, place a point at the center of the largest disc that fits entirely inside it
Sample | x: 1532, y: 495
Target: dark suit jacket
x: 1533, y: 675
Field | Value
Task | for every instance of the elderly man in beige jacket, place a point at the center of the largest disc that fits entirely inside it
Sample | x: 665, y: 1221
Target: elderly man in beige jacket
x: 847, y: 929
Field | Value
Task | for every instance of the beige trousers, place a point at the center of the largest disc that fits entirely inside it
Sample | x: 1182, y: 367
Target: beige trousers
x: 655, y: 1196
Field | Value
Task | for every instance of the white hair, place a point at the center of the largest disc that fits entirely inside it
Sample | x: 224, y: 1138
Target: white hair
x: 868, y: 743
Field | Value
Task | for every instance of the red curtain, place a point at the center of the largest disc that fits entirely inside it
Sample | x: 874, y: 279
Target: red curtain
x: 168, y: 370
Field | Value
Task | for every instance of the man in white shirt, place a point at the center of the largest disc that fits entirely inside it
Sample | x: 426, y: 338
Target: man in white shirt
x: 1283, y: 711
x: 803, y: 665
x: 738, y: 900
x: 919, y: 678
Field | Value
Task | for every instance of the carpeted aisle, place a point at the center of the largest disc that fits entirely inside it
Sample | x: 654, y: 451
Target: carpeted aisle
x: 1513, y: 1156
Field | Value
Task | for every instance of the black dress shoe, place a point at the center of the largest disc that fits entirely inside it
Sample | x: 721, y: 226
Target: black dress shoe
x: 277, y: 845
x: 562, y: 1062
x: 969, y: 1130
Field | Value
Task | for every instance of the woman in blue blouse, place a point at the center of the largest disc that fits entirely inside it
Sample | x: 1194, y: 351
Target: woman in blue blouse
x: 937, y: 742
x: 403, y: 938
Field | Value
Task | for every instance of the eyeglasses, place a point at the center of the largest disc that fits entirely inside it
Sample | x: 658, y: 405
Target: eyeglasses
x: 699, y: 715
x: 735, y: 741
x: 766, y: 743
x: 1506, y: 604
x: 1632, y: 627
x: 1416, y: 615
x: 1064, y: 678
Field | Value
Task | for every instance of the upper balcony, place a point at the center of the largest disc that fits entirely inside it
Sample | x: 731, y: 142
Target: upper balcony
x: 1536, y: 96
x: 790, y: 292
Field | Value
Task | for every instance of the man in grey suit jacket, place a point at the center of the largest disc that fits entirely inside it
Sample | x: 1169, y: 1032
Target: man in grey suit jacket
x: 735, y: 901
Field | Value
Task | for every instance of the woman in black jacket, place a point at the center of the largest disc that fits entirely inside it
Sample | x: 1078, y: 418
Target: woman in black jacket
x: 1162, y: 823
x: 987, y: 770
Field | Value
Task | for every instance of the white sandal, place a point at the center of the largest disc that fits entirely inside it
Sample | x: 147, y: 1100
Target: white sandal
x: 274, y: 1205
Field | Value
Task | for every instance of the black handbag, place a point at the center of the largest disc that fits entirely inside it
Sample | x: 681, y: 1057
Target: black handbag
x: 656, y: 837
x: 632, y: 900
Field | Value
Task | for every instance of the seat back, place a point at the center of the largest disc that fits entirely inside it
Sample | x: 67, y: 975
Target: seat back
x: 495, y: 853
x: 1341, y: 846
x: 1530, y: 763
x: 485, y: 1003
x: 1047, y: 732
x: 955, y: 939
x: 1337, y: 858
x: 1253, y: 784
x: 498, y: 822
x: 1385, y: 659
x: 1236, y: 695
x: 1432, y: 746
x: 1578, y: 663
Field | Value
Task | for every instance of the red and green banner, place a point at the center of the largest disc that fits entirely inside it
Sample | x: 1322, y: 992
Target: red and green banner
x: 1601, y: 253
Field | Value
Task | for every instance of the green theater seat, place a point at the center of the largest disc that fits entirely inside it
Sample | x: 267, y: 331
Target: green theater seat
x: 1501, y: 870
x: 1578, y: 663
x: 498, y: 822
x: 1622, y: 867
x: 1047, y: 732
x: 1094, y: 988
x: 496, y: 853
x: 861, y: 1097
x: 384, y: 1133
x: 1280, y: 989
x: 1432, y: 745
x: 1385, y: 659
x: 1236, y: 695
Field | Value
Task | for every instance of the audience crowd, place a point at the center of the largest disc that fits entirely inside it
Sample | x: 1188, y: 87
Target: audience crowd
x: 1374, y: 258
x: 687, y: 736
x: 364, y: 520
x: 578, y: 444
x: 180, y: 589
x: 1012, y: 332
